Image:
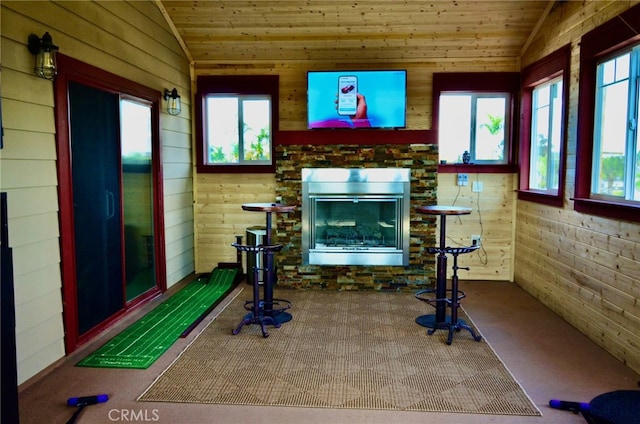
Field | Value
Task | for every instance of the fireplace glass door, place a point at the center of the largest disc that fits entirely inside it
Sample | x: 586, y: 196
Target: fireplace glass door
x: 355, y: 223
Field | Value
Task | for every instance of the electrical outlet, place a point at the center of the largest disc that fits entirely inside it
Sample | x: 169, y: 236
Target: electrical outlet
x: 463, y: 179
x: 477, y: 186
x: 475, y: 240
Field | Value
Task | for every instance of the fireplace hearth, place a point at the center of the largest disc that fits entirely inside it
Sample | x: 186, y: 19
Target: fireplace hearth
x: 355, y: 216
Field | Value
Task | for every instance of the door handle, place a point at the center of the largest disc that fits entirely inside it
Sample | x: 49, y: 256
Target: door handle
x: 110, y: 204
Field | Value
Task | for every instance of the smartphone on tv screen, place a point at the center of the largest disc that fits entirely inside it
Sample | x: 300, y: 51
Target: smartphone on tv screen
x: 347, y: 94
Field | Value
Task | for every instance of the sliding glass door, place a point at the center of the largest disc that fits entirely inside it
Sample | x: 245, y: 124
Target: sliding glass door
x: 112, y: 176
x: 110, y: 191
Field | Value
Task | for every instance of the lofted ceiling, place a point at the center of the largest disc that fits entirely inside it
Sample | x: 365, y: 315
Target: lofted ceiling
x: 236, y: 31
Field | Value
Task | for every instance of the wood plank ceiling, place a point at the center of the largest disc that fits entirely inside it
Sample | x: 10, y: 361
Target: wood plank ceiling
x: 219, y: 31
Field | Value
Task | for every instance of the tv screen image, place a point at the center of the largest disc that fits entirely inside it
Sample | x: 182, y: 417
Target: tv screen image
x: 356, y: 99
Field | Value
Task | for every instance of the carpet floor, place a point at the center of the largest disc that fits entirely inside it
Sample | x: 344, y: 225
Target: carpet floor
x: 342, y: 350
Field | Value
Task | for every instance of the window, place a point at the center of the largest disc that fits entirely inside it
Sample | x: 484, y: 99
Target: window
x: 607, y: 165
x: 542, y: 136
x: 238, y: 129
x: 473, y: 112
x: 477, y: 124
x: 237, y: 123
x: 545, y: 136
x: 615, y: 148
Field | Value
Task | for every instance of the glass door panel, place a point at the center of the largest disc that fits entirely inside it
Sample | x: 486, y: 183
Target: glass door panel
x: 96, y: 204
x: 358, y: 221
x: 137, y: 197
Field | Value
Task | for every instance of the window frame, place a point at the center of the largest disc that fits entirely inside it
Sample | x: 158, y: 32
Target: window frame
x: 480, y: 82
x: 554, y: 65
x: 613, y: 36
x: 242, y: 85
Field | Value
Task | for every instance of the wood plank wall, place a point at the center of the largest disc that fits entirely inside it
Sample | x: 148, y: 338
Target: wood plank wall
x: 219, y: 197
x: 585, y: 268
x: 219, y: 215
x: 492, y: 218
x: 130, y: 39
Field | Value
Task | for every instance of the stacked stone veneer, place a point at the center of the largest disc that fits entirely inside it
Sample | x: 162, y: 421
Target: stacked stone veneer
x: 420, y: 273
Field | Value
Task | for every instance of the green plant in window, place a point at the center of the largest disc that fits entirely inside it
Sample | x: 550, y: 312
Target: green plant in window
x: 235, y: 155
x: 495, y: 126
x: 256, y: 150
x: 216, y: 155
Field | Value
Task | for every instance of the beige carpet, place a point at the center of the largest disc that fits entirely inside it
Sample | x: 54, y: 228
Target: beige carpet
x: 342, y: 350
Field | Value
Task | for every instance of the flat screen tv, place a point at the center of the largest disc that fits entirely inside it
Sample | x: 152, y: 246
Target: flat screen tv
x: 357, y: 99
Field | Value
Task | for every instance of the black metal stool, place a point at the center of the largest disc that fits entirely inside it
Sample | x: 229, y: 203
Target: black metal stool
x: 258, y: 306
x: 452, y: 323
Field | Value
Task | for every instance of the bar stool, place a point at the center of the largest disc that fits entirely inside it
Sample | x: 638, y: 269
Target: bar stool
x: 269, y: 283
x: 452, y: 322
x: 258, y: 307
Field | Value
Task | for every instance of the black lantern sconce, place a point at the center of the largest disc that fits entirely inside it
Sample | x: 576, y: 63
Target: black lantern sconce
x: 173, y: 102
x: 45, y: 53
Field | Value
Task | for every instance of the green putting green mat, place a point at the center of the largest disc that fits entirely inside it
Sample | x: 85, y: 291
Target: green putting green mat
x: 148, y: 338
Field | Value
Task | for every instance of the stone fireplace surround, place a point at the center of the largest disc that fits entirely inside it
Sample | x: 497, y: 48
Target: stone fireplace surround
x: 291, y: 157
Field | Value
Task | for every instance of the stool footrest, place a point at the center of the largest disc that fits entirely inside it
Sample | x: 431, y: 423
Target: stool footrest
x: 453, y: 250
x: 433, y: 301
x: 277, y: 306
x: 258, y: 248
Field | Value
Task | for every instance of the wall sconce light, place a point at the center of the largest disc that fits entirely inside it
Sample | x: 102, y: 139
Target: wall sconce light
x: 173, y: 101
x: 45, y: 52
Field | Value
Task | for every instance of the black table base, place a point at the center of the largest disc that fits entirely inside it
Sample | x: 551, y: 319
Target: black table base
x: 430, y: 321
x: 259, y: 319
x: 257, y: 316
x: 267, y: 310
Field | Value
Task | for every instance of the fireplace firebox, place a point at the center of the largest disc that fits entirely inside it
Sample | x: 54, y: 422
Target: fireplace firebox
x: 355, y: 216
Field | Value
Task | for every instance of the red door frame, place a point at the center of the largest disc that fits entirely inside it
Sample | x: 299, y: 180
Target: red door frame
x: 70, y: 69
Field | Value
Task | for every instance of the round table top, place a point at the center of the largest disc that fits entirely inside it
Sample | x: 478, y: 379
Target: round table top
x: 444, y: 210
x: 268, y: 207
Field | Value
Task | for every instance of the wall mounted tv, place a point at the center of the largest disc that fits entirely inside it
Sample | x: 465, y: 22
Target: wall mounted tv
x: 356, y: 99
